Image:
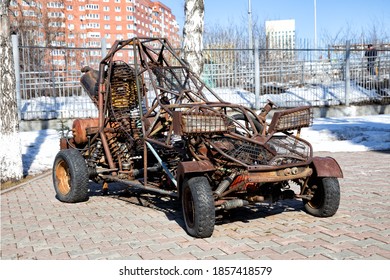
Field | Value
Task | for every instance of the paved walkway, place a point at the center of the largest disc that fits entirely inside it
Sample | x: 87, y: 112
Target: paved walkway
x: 35, y: 225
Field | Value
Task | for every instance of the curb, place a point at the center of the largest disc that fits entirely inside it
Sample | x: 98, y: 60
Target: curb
x: 46, y: 173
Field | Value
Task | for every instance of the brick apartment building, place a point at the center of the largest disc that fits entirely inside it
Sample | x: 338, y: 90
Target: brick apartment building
x: 83, y: 23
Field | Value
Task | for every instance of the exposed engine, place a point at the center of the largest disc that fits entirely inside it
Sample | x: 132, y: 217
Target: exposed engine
x: 123, y: 128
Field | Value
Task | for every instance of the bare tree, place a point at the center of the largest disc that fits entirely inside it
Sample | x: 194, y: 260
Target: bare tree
x: 11, y: 167
x: 193, y: 34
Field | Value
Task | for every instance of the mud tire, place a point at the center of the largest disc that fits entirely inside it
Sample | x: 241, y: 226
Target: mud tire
x: 198, y: 207
x: 326, y: 199
x: 70, y: 176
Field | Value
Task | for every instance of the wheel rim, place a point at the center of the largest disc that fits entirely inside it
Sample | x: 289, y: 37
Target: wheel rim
x: 188, y: 205
x: 63, y: 177
x: 318, y: 199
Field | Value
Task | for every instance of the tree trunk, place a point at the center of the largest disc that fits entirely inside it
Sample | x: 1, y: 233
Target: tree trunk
x: 193, y: 34
x: 11, y: 167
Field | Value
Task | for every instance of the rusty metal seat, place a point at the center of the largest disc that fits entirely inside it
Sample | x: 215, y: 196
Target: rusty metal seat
x: 89, y: 81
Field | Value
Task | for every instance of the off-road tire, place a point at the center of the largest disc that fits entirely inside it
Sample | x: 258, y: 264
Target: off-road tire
x: 70, y: 176
x: 198, y: 207
x: 326, y: 199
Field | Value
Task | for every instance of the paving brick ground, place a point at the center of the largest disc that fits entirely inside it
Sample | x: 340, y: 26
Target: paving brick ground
x: 35, y: 225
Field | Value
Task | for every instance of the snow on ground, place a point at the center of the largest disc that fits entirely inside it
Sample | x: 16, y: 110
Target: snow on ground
x: 39, y: 148
x: 312, y: 94
x: 349, y: 134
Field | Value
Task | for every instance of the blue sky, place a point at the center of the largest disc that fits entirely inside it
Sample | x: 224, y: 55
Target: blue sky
x: 332, y: 15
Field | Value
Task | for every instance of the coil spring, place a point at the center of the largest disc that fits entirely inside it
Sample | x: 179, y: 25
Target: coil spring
x: 123, y: 87
x: 119, y: 150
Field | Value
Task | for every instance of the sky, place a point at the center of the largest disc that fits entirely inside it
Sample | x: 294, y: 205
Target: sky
x: 332, y: 15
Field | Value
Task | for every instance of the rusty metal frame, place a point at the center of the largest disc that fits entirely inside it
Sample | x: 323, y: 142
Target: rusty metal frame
x: 190, y: 93
x: 159, y: 70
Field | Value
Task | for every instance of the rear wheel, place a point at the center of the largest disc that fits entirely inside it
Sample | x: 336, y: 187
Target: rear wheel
x: 70, y: 176
x: 326, y: 197
x: 198, y: 207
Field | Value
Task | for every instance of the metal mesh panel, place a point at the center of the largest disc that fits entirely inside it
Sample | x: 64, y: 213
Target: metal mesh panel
x: 242, y: 150
x: 291, y: 119
x: 289, y: 149
x: 194, y: 123
x: 280, y: 150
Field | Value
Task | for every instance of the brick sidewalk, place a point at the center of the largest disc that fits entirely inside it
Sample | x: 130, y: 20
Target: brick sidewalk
x: 35, y: 225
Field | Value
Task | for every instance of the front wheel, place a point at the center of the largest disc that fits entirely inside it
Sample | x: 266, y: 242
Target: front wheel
x: 70, y: 176
x: 198, y: 207
x: 326, y: 197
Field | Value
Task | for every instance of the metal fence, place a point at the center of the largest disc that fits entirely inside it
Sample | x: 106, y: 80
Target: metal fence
x: 340, y: 77
x: 48, y: 78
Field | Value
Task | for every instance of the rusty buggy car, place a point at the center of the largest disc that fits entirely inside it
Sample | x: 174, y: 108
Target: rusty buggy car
x: 160, y: 129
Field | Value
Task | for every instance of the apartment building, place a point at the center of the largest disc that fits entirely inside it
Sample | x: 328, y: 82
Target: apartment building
x: 83, y: 23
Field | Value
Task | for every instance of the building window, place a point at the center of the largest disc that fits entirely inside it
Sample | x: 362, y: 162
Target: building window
x: 92, y: 16
x: 56, y: 24
x: 117, y: 9
x: 54, y: 14
x: 51, y: 4
x: 93, y: 25
x: 92, y: 7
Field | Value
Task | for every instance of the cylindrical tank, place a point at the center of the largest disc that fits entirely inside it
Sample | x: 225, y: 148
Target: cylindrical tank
x: 79, y: 129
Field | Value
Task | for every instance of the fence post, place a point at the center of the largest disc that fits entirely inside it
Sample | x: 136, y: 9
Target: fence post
x: 257, y: 76
x: 347, y: 74
x: 104, y: 47
x: 15, y: 51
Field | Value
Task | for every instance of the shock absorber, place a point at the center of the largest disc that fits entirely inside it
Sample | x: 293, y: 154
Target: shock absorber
x: 97, y: 152
x: 225, y: 183
x: 119, y: 151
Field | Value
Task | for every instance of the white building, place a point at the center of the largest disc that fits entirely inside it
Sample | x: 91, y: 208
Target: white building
x: 281, y: 35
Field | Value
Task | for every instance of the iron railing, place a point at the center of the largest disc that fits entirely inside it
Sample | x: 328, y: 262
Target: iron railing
x: 49, y: 85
